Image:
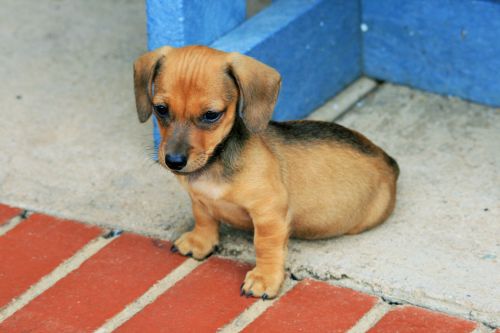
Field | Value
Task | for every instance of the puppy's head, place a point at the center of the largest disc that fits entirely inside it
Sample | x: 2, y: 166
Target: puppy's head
x: 196, y: 93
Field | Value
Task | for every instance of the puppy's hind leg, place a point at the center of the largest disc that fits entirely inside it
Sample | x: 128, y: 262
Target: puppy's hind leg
x: 202, y: 241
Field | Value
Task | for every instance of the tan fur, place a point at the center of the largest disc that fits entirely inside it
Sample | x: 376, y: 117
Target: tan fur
x: 309, y: 189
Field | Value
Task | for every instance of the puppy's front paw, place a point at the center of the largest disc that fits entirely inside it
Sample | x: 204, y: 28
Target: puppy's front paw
x: 259, y: 283
x: 195, y: 245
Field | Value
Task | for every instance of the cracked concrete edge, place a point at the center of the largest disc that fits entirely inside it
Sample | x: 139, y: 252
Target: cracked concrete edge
x: 399, y: 296
x: 236, y: 245
x: 481, y: 328
x: 371, y: 317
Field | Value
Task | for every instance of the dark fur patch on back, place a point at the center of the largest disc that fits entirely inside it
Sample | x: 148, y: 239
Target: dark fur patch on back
x: 310, y: 131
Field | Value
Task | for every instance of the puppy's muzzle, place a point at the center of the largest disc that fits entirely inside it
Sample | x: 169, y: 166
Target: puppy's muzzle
x: 176, y: 161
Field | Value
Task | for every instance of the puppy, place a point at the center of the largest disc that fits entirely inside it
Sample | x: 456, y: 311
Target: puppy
x: 299, y: 178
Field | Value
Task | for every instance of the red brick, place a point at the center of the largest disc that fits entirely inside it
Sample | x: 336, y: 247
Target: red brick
x: 410, y: 319
x: 8, y: 212
x: 313, y: 306
x: 203, y: 301
x: 34, y: 248
x: 99, y: 289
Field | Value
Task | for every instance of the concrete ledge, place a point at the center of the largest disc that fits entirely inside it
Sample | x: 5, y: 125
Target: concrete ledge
x: 336, y: 107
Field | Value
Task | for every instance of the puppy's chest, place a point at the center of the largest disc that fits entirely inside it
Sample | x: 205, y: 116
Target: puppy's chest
x: 213, y: 196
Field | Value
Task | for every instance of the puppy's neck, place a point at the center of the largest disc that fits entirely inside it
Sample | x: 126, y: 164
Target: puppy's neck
x: 225, y: 160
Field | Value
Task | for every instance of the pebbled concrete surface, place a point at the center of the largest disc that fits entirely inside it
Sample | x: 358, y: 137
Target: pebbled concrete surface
x: 70, y: 141
x: 70, y: 145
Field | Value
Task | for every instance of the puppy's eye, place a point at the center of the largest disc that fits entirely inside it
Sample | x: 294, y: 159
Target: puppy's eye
x: 211, y: 117
x: 161, y: 110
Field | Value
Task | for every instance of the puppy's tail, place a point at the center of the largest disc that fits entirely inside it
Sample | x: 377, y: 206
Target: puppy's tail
x: 393, y: 164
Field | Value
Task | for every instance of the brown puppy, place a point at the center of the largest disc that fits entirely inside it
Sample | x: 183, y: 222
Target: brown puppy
x: 301, y: 178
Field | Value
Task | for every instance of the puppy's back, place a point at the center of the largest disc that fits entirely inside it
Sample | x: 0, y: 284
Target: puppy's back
x: 303, y: 132
x: 334, y: 176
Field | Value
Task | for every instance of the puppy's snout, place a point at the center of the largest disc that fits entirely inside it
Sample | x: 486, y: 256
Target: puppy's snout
x: 176, y: 161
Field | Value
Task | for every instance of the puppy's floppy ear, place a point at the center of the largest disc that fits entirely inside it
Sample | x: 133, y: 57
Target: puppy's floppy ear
x: 145, y: 69
x: 258, y: 86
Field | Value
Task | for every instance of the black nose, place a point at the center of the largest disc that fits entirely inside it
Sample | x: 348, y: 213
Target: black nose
x: 176, y: 161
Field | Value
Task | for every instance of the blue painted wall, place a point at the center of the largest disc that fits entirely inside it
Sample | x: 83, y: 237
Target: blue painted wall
x: 315, y: 45
x: 447, y: 46
x: 184, y: 22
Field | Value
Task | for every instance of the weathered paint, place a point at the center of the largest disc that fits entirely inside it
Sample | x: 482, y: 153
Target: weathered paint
x: 183, y: 22
x: 449, y: 47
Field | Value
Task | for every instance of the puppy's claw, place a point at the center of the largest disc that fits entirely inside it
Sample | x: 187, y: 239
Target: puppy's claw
x: 174, y: 249
x: 263, y: 285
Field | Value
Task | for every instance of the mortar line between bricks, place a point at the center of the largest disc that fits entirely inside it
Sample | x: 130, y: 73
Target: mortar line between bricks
x: 9, y: 225
x: 149, y: 296
x: 13, y: 222
x: 254, y: 311
x: 371, y: 317
x: 61, y: 271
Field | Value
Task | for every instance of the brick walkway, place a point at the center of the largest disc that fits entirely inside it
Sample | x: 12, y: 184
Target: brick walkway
x: 63, y: 276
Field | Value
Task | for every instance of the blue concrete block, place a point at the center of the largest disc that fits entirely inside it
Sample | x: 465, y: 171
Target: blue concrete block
x: 315, y: 45
x: 185, y: 22
x: 448, y: 46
